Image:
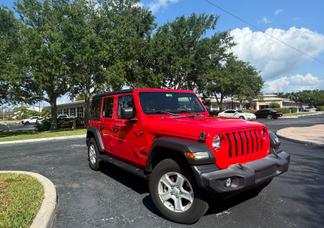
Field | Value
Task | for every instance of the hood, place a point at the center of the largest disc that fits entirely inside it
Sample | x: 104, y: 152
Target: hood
x: 192, y: 127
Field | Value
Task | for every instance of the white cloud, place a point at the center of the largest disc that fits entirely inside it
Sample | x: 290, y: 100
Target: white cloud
x: 278, y: 12
x: 156, y: 5
x: 265, y: 20
x: 272, y: 58
x: 294, y: 83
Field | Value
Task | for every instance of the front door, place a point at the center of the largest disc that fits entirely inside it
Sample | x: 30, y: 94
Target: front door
x: 124, y: 131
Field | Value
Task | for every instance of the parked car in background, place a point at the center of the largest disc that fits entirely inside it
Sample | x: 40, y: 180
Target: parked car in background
x: 62, y: 116
x: 308, y: 109
x: 268, y: 113
x: 31, y: 120
x: 239, y: 114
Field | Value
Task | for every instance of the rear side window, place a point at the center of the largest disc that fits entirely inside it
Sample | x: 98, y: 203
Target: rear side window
x: 126, y: 101
x: 95, y: 108
x: 108, y: 107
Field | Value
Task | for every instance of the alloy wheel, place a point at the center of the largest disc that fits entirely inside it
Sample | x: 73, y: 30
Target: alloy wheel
x: 175, y: 192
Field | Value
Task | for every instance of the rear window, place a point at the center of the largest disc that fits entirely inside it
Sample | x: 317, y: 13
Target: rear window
x: 95, y: 108
x: 108, y: 107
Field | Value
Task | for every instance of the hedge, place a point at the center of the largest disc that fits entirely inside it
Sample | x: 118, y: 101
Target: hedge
x: 286, y: 110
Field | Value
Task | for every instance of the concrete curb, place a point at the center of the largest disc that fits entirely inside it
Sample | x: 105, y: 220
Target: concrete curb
x: 46, y: 213
x: 283, y: 136
x: 44, y: 139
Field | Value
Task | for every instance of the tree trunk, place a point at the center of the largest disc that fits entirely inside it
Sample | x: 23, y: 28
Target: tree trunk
x: 53, y: 113
x: 87, y: 103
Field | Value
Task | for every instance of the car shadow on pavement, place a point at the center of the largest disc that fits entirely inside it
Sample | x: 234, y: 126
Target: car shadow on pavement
x: 133, y: 182
x: 216, y: 206
x: 140, y: 186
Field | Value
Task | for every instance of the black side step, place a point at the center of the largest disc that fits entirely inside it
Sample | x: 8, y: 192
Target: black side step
x: 125, y: 166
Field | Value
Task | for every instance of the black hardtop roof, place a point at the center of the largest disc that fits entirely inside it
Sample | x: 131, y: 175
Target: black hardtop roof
x: 112, y: 93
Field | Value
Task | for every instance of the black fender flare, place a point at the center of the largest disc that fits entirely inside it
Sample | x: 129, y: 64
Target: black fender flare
x: 180, y: 146
x: 96, y: 134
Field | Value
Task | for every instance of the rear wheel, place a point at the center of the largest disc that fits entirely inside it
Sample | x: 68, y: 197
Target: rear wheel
x: 242, y: 118
x: 175, y: 194
x: 93, y: 155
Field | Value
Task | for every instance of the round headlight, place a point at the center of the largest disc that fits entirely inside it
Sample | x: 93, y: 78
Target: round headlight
x: 217, y: 142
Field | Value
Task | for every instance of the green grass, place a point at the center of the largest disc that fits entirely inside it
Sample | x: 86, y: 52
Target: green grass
x: 23, y: 135
x: 20, y: 199
x: 298, y: 113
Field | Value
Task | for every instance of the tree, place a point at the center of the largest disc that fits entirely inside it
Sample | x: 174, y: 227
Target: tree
x: 181, y: 50
x: 107, y: 46
x: 44, y: 49
x: 234, y: 78
x: 250, y: 83
x: 309, y: 97
x: 9, y: 36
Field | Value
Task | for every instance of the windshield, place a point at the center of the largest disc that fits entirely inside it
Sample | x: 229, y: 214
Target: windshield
x: 169, y: 102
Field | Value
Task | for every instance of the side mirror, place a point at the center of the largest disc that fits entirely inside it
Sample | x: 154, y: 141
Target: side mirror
x: 128, y: 113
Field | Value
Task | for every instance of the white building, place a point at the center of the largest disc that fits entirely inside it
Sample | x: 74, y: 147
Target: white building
x: 262, y: 102
x: 75, y: 108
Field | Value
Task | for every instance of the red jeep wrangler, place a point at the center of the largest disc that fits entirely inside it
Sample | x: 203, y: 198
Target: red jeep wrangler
x: 168, y: 137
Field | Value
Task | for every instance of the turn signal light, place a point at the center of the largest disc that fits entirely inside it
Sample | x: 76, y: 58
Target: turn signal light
x: 196, y: 156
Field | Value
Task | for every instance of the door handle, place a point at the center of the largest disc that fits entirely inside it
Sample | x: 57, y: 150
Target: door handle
x: 115, y: 129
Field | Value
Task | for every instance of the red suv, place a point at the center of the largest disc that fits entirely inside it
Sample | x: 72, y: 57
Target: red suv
x: 167, y: 137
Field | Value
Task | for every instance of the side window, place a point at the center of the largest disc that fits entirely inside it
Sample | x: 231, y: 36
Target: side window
x: 126, y: 101
x: 95, y: 108
x: 108, y: 107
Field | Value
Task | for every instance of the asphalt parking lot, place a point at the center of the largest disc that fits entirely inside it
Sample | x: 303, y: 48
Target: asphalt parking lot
x: 114, y: 198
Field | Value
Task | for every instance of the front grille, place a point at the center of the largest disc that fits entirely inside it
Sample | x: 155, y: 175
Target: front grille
x: 244, y: 142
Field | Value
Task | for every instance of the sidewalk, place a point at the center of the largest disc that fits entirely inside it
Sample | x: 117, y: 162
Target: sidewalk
x: 312, y: 135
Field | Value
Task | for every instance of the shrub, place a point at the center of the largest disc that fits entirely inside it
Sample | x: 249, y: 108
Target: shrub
x: 321, y: 108
x: 274, y: 105
x: 44, y: 125
x: 283, y: 110
x: 249, y: 110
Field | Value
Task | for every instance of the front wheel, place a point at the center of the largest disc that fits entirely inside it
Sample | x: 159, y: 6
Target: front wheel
x: 269, y: 117
x: 175, y: 194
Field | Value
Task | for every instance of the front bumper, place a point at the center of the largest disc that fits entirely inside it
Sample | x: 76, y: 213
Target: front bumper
x: 243, y: 176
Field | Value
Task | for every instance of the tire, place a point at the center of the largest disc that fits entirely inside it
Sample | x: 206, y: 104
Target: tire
x: 94, y: 159
x: 242, y: 117
x: 166, y: 173
x: 269, y: 117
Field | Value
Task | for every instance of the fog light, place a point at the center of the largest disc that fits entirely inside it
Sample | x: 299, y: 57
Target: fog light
x: 228, y: 182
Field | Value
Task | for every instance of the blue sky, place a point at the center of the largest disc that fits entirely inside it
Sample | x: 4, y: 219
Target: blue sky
x: 297, y: 23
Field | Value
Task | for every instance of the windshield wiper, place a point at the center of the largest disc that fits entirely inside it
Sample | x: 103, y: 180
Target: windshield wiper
x: 190, y: 116
x: 164, y: 112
